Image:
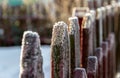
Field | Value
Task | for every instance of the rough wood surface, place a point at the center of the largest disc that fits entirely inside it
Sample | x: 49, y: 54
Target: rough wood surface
x: 80, y: 73
x: 60, y: 51
x: 31, y: 59
x: 76, y: 28
x: 74, y: 36
x: 92, y: 67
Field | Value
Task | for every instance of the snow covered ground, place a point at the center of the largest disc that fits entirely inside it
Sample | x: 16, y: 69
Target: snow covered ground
x: 10, y: 58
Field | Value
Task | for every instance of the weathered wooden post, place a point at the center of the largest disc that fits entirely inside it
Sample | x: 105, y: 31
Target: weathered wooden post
x: 74, y: 26
x: 116, y: 16
x: 91, y: 19
x: 60, y: 51
x: 92, y: 67
x: 111, y: 56
x: 104, y: 46
x: 93, y: 14
x: 80, y: 73
x: 99, y: 31
x: 31, y: 59
x: 99, y: 55
x: 73, y: 31
x: 86, y: 40
x: 80, y: 13
x: 118, y: 41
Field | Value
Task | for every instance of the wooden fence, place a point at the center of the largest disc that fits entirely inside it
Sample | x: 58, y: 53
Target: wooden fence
x: 86, y: 48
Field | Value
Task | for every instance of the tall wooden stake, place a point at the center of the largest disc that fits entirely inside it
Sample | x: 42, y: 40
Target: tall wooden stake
x: 104, y: 46
x: 60, y: 51
x: 99, y: 54
x: 80, y: 73
x: 31, y: 59
x: 99, y: 31
x: 92, y: 67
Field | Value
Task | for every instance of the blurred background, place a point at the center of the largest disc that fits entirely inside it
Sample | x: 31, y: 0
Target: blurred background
x: 16, y: 16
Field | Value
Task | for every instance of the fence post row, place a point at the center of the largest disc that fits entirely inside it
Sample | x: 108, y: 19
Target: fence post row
x: 85, y: 48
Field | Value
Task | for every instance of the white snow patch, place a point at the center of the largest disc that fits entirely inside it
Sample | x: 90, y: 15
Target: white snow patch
x: 10, y: 59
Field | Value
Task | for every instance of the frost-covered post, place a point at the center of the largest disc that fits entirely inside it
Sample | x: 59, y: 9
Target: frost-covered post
x: 60, y: 51
x: 104, y: 46
x: 31, y: 59
x: 74, y: 34
x: 92, y: 67
x: 80, y: 73
x: 99, y: 55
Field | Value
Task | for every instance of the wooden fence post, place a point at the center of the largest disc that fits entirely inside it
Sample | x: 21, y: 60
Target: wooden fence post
x: 80, y: 73
x: 118, y: 41
x: 60, y: 51
x: 86, y: 40
x: 116, y: 19
x: 99, y: 31
x: 104, y: 46
x: 92, y: 67
x: 76, y: 29
x: 80, y: 13
x: 104, y: 21
x: 99, y: 54
x: 111, y: 56
x: 31, y: 59
x: 93, y: 14
x: 73, y: 31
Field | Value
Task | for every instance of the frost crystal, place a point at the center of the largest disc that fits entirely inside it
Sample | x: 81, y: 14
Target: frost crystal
x: 31, y: 59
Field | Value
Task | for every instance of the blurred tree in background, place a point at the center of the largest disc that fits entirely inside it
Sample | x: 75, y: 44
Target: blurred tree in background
x: 17, y: 16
